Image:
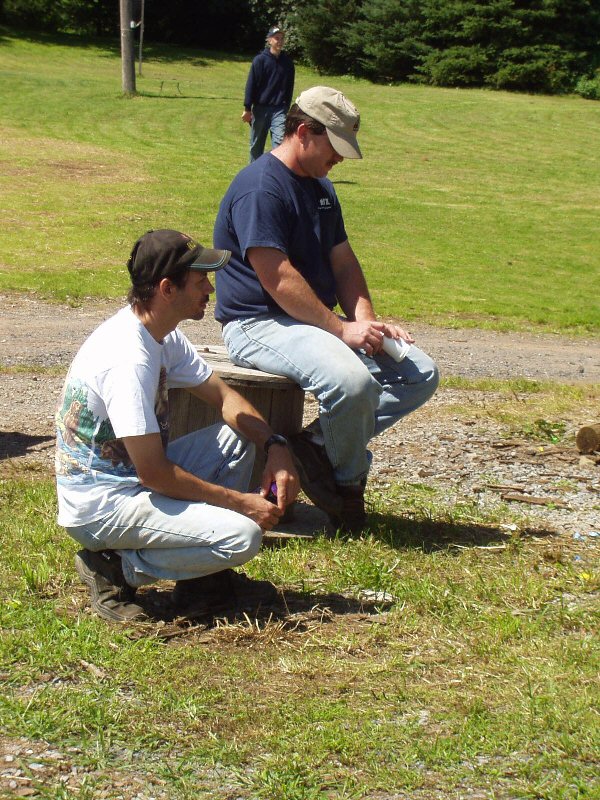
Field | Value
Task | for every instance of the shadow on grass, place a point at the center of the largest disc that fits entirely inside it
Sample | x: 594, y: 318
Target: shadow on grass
x: 166, y: 53
x: 15, y: 443
x: 293, y: 611
x: 430, y: 535
x: 160, y: 96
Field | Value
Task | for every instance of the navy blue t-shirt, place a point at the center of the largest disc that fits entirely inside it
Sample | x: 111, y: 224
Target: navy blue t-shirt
x: 268, y: 205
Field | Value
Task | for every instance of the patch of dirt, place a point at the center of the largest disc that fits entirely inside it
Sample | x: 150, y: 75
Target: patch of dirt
x: 467, y: 456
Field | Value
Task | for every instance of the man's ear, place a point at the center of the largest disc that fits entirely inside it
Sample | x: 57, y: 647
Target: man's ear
x: 302, y: 132
x: 166, y: 288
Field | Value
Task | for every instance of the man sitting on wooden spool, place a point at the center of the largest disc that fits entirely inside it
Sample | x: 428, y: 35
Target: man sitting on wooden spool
x: 291, y: 266
x: 145, y: 509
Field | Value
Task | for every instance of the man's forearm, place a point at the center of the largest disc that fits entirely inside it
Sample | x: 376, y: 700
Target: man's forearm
x: 298, y: 300
x: 240, y: 415
x: 350, y: 284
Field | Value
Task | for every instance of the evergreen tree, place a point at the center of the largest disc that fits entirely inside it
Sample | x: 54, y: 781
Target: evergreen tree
x: 386, y: 39
x: 323, y: 33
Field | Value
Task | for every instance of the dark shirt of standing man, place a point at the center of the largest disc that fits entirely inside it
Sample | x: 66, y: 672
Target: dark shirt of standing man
x: 268, y: 95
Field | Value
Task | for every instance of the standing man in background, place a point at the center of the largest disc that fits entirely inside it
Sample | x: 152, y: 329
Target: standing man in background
x: 268, y: 95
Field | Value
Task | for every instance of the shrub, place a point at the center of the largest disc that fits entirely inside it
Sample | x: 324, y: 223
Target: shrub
x: 456, y: 66
x: 542, y: 68
x: 589, y: 87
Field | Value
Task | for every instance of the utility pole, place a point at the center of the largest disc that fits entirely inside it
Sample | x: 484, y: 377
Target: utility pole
x: 127, y: 51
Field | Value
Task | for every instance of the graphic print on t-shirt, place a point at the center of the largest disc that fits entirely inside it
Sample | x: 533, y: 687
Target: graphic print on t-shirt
x: 86, y: 443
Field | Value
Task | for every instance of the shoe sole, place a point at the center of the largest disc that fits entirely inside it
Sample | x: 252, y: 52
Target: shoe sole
x: 88, y: 576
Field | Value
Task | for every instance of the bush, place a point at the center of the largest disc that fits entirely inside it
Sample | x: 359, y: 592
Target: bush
x: 321, y: 29
x: 589, y: 87
x: 456, y: 66
x: 543, y: 68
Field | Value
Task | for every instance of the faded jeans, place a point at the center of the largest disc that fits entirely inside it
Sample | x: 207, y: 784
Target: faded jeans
x: 160, y: 538
x: 265, y: 119
x: 358, y: 396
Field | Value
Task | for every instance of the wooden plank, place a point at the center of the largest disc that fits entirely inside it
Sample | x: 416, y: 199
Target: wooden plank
x: 179, y: 404
x: 307, y: 522
x: 217, y: 357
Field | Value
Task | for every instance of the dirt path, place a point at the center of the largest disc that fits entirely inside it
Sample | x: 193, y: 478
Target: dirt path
x: 42, y: 334
x: 464, y: 455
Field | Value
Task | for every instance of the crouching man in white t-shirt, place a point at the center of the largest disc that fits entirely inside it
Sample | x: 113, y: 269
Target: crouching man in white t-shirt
x: 145, y: 509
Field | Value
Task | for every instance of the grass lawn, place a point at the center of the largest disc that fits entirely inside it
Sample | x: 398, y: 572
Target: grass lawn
x: 469, y: 208
x: 480, y: 680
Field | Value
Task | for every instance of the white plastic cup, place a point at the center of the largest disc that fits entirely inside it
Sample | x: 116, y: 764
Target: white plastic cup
x: 396, y: 348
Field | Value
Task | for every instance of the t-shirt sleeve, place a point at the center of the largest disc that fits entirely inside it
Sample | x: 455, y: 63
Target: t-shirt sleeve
x: 185, y: 368
x: 261, y: 220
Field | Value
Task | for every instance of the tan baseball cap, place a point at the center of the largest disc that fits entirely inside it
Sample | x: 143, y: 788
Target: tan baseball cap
x: 336, y: 112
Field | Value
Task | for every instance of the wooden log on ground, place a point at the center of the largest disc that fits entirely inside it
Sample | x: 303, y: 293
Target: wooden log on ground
x: 588, y: 439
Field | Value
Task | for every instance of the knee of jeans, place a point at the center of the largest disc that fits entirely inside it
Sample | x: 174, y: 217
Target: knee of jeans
x: 246, y: 543
x: 359, y: 390
x: 432, y: 378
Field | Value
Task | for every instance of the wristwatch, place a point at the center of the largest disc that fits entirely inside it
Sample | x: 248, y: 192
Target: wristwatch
x: 275, y: 438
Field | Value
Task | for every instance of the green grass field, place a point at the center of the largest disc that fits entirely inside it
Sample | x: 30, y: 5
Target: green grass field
x: 480, y: 682
x: 470, y: 207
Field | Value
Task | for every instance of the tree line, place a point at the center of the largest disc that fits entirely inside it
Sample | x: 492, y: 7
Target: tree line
x: 548, y: 46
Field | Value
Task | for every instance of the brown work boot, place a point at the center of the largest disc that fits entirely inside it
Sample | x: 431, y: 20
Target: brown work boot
x: 352, y: 517
x: 221, y: 592
x: 315, y: 472
x: 111, y: 596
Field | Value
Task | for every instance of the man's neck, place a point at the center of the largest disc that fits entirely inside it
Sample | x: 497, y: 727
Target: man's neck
x: 156, y: 325
x: 287, y: 154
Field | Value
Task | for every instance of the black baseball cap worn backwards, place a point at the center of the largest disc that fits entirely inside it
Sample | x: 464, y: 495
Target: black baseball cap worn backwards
x: 165, y: 253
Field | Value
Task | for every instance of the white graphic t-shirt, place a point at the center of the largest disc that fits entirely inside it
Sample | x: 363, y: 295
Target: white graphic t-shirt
x: 117, y: 386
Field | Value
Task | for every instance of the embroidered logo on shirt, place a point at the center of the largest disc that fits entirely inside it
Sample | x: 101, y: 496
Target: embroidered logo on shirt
x: 324, y: 204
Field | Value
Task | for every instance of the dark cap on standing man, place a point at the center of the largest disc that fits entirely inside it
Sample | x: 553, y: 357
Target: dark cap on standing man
x: 166, y: 253
x: 273, y: 30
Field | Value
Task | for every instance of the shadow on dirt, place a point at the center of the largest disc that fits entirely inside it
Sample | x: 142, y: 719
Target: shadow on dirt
x: 15, y: 443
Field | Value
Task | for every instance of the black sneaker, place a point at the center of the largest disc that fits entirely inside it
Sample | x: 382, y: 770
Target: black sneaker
x: 111, y: 594
x: 315, y: 472
x: 221, y: 592
x: 352, y: 517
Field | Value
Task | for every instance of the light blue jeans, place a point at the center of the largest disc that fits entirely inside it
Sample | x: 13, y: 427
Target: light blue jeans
x: 160, y: 538
x: 265, y: 119
x: 358, y: 396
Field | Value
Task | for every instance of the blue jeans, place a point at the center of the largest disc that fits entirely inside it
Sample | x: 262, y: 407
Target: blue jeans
x: 265, y: 119
x: 358, y: 396
x: 160, y: 538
